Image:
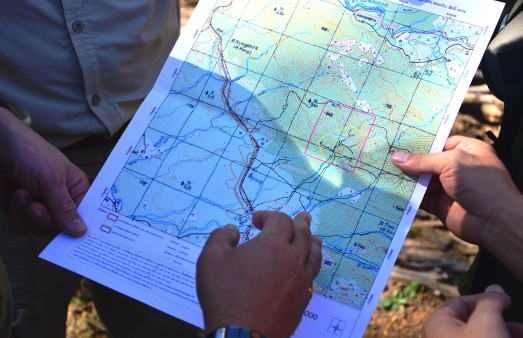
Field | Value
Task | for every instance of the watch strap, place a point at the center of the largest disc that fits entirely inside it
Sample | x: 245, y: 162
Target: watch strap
x: 233, y: 331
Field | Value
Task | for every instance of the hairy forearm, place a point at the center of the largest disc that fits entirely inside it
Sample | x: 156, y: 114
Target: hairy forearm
x: 504, y: 239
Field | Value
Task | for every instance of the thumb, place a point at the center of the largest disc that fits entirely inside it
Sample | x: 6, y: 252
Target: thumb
x: 419, y: 164
x: 63, y: 210
x: 491, y: 305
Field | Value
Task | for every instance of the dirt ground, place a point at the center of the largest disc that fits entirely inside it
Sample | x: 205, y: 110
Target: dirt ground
x: 431, y: 255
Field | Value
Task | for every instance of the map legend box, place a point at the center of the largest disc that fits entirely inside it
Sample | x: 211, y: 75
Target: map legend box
x: 108, y: 224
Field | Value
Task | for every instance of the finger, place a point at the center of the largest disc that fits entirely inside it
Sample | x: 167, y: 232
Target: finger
x: 454, y: 141
x: 15, y: 221
x: 35, y: 216
x: 5, y: 191
x: 490, y: 306
x: 459, y: 309
x: 313, y: 264
x: 419, y: 164
x: 515, y: 329
x: 430, y: 198
x: 479, y: 308
x: 21, y: 199
x: 274, y: 223
x: 222, y: 239
x: 78, y: 187
x: 39, y: 220
x: 64, y: 210
x: 450, y: 319
x: 301, y: 239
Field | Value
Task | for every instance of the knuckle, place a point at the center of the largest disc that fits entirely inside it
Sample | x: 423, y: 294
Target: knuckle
x: 66, y: 207
x: 304, y: 229
x: 417, y: 162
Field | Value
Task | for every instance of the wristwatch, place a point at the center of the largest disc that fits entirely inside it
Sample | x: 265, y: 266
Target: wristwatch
x: 233, y: 331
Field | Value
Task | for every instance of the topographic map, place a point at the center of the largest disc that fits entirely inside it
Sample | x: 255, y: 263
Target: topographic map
x: 268, y: 113
x: 284, y: 105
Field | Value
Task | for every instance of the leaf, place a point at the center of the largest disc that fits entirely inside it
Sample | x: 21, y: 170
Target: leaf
x: 415, y: 286
x: 386, y: 303
x: 395, y: 293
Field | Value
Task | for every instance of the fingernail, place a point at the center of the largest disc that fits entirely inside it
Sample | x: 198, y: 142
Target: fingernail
x: 494, y: 289
x: 308, y: 216
x: 78, y: 225
x: 37, y: 213
x: 400, y: 156
x: 230, y: 227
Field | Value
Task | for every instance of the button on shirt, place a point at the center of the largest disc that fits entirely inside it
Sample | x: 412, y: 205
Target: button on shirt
x: 77, y: 68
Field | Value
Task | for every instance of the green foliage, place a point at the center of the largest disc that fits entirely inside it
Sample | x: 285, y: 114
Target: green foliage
x: 400, y: 297
x: 415, y: 232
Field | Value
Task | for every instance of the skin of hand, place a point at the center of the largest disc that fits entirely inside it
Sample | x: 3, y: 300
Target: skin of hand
x: 473, y: 194
x: 475, y: 316
x: 263, y: 284
x: 39, y: 187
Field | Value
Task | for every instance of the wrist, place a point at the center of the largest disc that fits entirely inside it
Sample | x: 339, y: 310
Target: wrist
x: 234, y: 331
x: 6, y: 125
x: 504, y: 235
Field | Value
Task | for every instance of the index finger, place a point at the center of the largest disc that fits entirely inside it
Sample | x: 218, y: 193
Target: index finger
x: 302, y: 232
x: 274, y: 223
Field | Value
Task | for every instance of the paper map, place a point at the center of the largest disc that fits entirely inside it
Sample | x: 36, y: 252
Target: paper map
x: 282, y: 105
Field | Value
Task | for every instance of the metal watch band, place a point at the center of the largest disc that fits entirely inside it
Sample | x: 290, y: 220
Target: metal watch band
x: 234, y: 332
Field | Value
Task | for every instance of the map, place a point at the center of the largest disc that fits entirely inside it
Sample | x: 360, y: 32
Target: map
x: 294, y: 105
x: 292, y: 118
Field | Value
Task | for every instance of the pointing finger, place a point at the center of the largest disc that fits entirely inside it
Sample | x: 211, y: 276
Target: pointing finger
x: 274, y: 224
x: 313, y: 264
x: 302, y: 233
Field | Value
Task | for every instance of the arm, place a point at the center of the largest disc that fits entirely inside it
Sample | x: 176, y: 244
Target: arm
x: 39, y: 187
x: 473, y: 195
x: 264, y: 284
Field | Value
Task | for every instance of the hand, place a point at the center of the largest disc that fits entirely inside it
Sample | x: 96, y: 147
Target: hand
x: 469, y: 190
x: 475, y: 316
x: 473, y: 195
x: 39, y: 187
x: 263, y: 284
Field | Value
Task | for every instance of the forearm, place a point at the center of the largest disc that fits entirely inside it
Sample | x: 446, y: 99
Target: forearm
x: 11, y: 131
x: 7, y: 122
x: 14, y: 134
x: 504, y: 238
